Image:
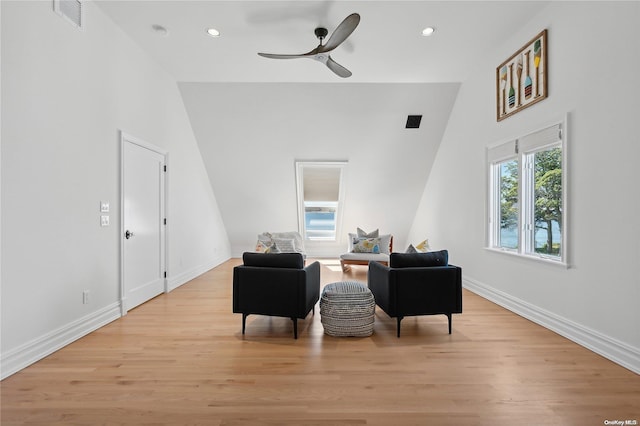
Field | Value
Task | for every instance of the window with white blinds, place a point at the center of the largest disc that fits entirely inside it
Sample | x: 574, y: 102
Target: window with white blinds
x: 320, y: 192
x: 527, y: 195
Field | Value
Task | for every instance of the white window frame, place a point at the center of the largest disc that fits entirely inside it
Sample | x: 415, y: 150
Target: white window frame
x: 523, y: 150
x: 300, y: 166
x: 494, y: 206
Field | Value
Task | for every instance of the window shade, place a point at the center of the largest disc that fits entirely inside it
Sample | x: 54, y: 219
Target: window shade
x: 502, y: 152
x: 321, y: 183
x: 531, y: 142
x: 541, y: 138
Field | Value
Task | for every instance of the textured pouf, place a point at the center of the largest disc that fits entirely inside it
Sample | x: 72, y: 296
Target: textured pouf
x: 347, y: 309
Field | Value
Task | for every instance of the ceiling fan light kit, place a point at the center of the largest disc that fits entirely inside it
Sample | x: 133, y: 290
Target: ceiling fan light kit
x: 321, y: 52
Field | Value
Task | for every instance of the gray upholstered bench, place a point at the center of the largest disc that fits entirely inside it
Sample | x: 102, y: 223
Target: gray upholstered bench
x: 347, y: 309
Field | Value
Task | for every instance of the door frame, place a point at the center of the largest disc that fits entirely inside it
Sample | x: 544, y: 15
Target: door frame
x: 124, y: 139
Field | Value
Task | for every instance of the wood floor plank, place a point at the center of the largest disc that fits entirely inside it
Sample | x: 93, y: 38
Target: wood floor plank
x: 181, y: 359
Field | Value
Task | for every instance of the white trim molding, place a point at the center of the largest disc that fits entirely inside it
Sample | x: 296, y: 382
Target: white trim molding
x: 176, y: 281
x: 619, y: 352
x: 35, y: 350
x: 320, y: 194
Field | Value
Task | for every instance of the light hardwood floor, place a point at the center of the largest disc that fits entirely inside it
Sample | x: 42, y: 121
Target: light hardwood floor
x: 181, y: 359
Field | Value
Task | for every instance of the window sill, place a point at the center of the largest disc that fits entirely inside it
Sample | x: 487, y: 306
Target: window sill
x: 534, y: 258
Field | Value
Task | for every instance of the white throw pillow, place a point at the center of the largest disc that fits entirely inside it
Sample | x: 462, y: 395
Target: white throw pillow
x: 293, y: 235
x: 285, y: 245
x: 385, y: 240
x: 352, y: 238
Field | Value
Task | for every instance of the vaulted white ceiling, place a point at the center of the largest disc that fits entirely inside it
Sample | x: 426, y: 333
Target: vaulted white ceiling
x: 387, y: 46
x: 254, y: 117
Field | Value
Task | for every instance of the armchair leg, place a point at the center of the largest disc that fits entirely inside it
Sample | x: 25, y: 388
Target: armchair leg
x: 449, y: 316
x: 295, y: 327
x: 399, y: 319
x: 244, y: 321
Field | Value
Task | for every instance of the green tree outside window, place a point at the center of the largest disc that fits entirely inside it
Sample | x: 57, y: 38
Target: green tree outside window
x: 548, y: 197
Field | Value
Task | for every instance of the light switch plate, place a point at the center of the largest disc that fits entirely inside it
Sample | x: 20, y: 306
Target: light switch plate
x: 104, y: 206
x: 104, y: 220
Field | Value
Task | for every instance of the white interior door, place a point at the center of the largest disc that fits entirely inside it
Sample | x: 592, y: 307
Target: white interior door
x: 143, y: 222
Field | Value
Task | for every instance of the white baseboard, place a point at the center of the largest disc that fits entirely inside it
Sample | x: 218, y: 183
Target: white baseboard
x: 176, y: 281
x: 612, y: 349
x: 33, y: 351
x: 30, y: 352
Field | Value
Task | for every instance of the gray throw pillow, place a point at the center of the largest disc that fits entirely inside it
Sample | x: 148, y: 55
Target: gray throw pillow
x: 372, y: 234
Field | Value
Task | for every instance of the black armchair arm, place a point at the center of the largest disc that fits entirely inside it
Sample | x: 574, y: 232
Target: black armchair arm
x: 378, y: 280
x: 312, y: 287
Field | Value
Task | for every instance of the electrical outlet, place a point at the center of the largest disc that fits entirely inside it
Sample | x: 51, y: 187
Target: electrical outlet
x: 85, y: 297
x: 104, y: 206
x: 104, y: 220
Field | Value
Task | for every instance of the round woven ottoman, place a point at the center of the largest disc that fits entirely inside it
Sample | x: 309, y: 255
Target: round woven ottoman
x: 347, y: 309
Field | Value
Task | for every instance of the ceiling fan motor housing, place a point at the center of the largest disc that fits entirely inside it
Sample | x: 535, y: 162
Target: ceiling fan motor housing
x: 321, y: 32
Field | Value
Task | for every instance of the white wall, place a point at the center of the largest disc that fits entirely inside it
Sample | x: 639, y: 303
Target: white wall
x: 250, y: 136
x: 593, y: 64
x: 65, y: 96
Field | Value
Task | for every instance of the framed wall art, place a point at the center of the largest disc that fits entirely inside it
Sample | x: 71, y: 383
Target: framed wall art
x: 521, y: 80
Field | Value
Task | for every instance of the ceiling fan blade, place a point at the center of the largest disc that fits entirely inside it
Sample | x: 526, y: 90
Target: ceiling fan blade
x: 337, y: 68
x: 277, y: 56
x: 341, y: 33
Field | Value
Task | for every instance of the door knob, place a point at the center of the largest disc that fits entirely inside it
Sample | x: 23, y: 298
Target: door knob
x: 128, y: 234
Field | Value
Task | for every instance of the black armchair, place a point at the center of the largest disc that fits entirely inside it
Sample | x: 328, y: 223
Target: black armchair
x: 417, y: 284
x: 276, y: 285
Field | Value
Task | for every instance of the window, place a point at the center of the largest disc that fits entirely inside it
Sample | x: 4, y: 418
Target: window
x: 319, y: 199
x: 508, y: 187
x: 320, y: 220
x: 527, y: 195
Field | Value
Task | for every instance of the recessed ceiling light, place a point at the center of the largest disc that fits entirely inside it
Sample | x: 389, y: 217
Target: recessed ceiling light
x: 160, y: 30
x: 428, y: 31
x: 213, y: 32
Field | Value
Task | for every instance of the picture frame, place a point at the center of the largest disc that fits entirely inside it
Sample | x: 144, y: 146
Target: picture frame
x: 521, y: 80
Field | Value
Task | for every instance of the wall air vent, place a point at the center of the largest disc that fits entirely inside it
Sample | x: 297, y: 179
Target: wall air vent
x: 413, y: 122
x: 71, y: 10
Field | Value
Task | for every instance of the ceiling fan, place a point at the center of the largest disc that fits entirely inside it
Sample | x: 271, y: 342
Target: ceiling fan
x: 321, y: 53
